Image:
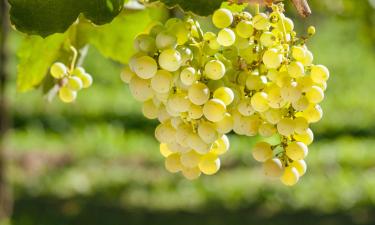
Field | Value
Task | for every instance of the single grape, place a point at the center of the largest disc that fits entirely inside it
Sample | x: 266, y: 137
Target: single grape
x: 191, y: 173
x: 188, y: 76
x: 273, y: 168
x: 296, y: 69
x: 127, y: 74
x: 140, y: 89
x: 165, y: 40
x: 214, y: 69
x: 222, y: 18
x: 225, y: 94
x: 267, y: 130
x: 261, y: 22
x: 300, y: 165
x: 195, y: 111
x: 170, y: 59
x: 162, y: 81
x: 190, y: 159
x: 209, y: 164
x: 259, y: 101
x: 225, y: 125
x: 221, y: 145
x: 173, y: 163
x: 226, y: 37
x: 296, y: 150
x: 164, y: 150
x: 306, y: 137
x: 199, y: 93
x: 244, y: 29
x: 262, y: 152
x: 286, y: 126
x: 67, y: 95
x: 315, y: 94
x: 74, y: 83
x: 290, y: 176
x: 150, y: 110
x: 145, y: 67
x: 207, y: 131
x: 319, y: 74
x: 272, y: 58
x: 58, y: 70
x: 165, y: 133
x: 214, y: 110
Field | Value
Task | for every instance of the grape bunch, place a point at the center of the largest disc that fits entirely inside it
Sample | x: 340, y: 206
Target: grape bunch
x: 253, y: 76
x: 70, y: 80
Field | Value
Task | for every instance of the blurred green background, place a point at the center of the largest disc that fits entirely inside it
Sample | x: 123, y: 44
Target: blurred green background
x: 96, y: 161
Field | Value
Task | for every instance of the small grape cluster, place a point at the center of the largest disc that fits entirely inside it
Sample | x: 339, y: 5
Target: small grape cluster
x: 254, y: 76
x: 70, y: 81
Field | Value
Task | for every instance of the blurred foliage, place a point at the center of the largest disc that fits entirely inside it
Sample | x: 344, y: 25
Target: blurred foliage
x: 96, y: 161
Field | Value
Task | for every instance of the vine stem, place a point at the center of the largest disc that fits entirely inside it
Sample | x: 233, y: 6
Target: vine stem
x: 75, y: 55
x: 257, y: 8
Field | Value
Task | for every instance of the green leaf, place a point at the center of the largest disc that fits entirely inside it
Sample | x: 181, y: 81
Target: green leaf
x: 36, y: 56
x: 115, y: 40
x: 199, y: 7
x: 46, y: 17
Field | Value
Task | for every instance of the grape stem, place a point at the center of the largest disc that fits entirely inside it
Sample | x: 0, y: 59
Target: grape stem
x: 75, y: 55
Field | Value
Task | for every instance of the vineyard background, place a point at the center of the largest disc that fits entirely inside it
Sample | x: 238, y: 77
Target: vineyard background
x: 96, y: 161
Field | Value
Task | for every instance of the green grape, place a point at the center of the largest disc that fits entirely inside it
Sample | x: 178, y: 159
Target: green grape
x: 268, y: 39
x: 191, y: 173
x: 255, y: 82
x: 300, y: 125
x: 288, y: 23
x: 315, y: 94
x: 127, y: 74
x: 179, y: 102
x: 286, y: 126
x: 296, y: 69
x: 222, y: 18
x: 58, y: 70
x: 226, y: 37
x: 209, y: 164
x: 198, y: 93
x: 145, y: 43
x: 296, y: 150
x: 74, y: 83
x: 319, y: 74
x: 245, y: 29
x: 162, y: 81
x: 173, y: 163
x: 165, y: 133
x: 301, y: 104
x: 245, y: 108
x: 182, y: 135
x: 145, y: 67
x: 307, y: 61
x: 225, y: 125
x: 214, y: 69
x: 300, y: 165
x: 157, y: 28
x: 165, y: 40
x: 163, y: 115
x: 306, y: 137
x: 164, y: 150
x: 291, y: 92
x: 67, y: 95
x: 190, y: 159
x: 170, y: 60
x: 195, y: 112
x: 261, y: 22
x: 150, y: 110
x: 207, y: 131
x: 273, y: 168
x: 85, y: 77
x: 262, y: 152
x: 140, y: 89
x: 298, y: 53
x: 304, y: 83
x: 214, y: 110
x: 272, y: 58
x: 188, y: 76
x: 311, y: 30
x: 225, y: 94
x: 221, y: 145
x: 196, y: 143
x: 290, y: 176
x: 241, y: 43
x: 259, y: 101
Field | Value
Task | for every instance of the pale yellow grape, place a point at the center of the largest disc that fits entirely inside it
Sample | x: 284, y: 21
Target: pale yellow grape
x: 286, y: 126
x: 175, y: 147
x: 244, y: 29
x: 259, y: 101
x: 307, y: 138
x: 171, y: 110
x: 163, y: 115
x: 272, y: 58
x: 291, y: 92
x: 225, y: 94
x: 311, y: 30
x: 296, y: 69
x: 182, y: 134
x: 214, y: 69
x: 304, y: 83
x: 176, y: 122
x: 209, y: 164
x: 209, y: 36
x: 86, y: 79
x: 283, y: 78
x: 272, y: 74
x: 162, y: 81
x: 179, y: 102
x: 58, y: 70
x: 273, y: 116
x: 165, y: 40
x: 268, y: 39
x: 267, y: 130
x: 319, y: 73
x: 190, y: 159
x: 140, y: 89
x: 145, y: 67
x: 307, y: 61
x: 323, y: 85
x: 242, y: 43
x: 245, y: 108
x: 238, y: 126
x: 288, y: 23
x: 127, y: 74
x: 290, y: 176
x: 225, y: 125
x: 170, y: 59
x: 188, y: 76
x: 165, y: 133
x: 195, y: 111
x: 226, y: 37
x: 313, y: 113
x: 173, y: 163
x: 254, y: 82
x: 301, y: 104
x: 300, y: 125
x: 300, y: 165
x: 150, y: 110
x: 67, y: 95
x: 164, y: 150
x: 298, y: 53
x: 74, y: 83
x: 261, y: 22
x: 207, y: 131
x: 262, y: 152
x: 222, y: 18
x: 196, y: 143
x: 191, y: 173
x: 199, y: 93
x: 250, y: 125
x: 145, y: 43
x: 296, y: 150
x: 186, y: 54
x: 221, y: 145
x: 315, y: 94
x: 275, y: 100
x: 273, y: 168
x: 214, y: 110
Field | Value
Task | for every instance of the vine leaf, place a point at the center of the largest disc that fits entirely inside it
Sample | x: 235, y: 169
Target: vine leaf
x: 199, y: 7
x: 46, y: 17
